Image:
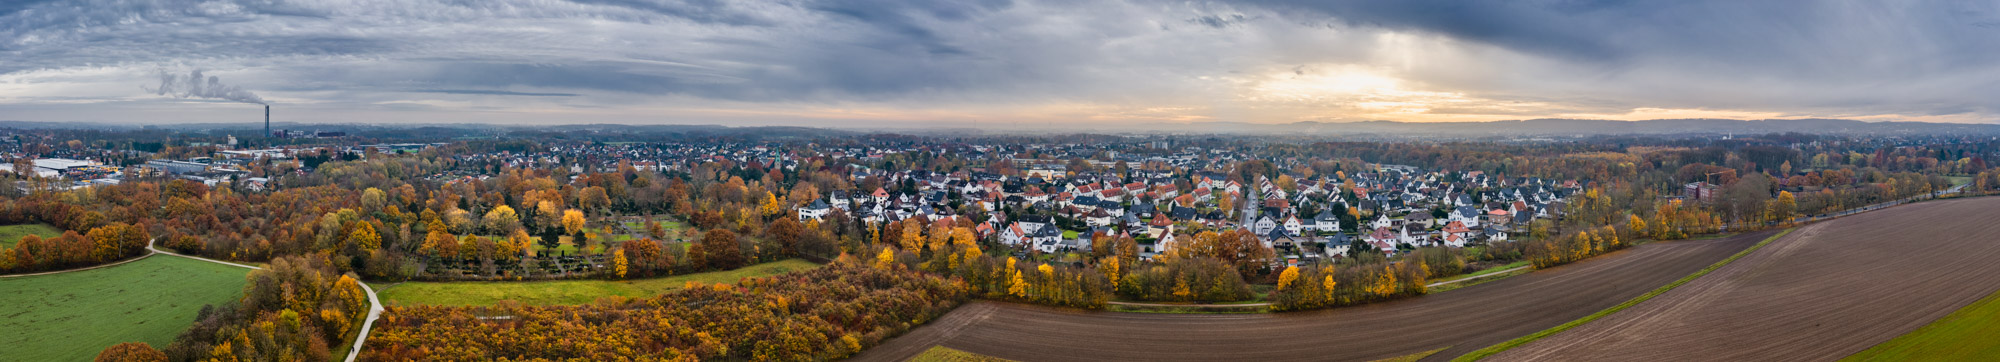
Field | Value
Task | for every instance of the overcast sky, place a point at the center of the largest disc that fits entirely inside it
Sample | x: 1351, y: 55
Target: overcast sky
x: 995, y: 63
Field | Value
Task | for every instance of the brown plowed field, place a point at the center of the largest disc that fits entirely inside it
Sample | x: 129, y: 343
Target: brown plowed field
x: 1826, y: 291
x: 1464, y: 319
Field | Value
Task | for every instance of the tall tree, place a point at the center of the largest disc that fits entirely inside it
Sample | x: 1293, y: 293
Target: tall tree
x: 720, y: 249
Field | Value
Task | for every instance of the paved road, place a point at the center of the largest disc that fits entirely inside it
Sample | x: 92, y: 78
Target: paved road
x: 1463, y: 320
x: 1822, y: 293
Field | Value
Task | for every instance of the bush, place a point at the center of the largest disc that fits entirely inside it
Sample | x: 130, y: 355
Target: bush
x: 1352, y: 284
x: 1186, y: 280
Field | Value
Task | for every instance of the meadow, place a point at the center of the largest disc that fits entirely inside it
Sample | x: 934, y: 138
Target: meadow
x: 73, y: 316
x: 569, y: 292
x: 11, y: 234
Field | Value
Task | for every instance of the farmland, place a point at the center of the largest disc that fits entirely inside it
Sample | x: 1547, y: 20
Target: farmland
x: 72, y: 316
x: 1964, y: 335
x: 569, y: 292
x: 1830, y: 290
x: 1456, y: 322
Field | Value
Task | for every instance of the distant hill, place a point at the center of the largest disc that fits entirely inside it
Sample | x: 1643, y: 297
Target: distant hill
x: 1547, y: 127
x: 1582, y: 127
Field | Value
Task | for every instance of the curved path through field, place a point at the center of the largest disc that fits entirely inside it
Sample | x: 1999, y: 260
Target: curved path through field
x: 1822, y: 293
x: 374, y: 305
x: 1463, y: 320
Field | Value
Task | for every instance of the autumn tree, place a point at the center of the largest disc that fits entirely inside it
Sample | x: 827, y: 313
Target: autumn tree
x: 618, y: 262
x: 1290, y: 275
x: 1786, y: 207
x: 770, y: 207
x: 912, y: 236
x: 365, y: 237
x: 1239, y: 247
x: 373, y: 199
x: 787, y: 233
x: 720, y: 250
x: 502, y: 220
x: 886, y: 260
x: 131, y: 352
x: 593, y: 198
x: 439, y: 243
x: 572, y: 222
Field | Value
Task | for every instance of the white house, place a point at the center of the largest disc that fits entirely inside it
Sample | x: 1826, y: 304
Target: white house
x: 1263, y: 225
x: 1326, y: 222
x: 1039, y: 236
x: 816, y: 211
x: 1292, y: 226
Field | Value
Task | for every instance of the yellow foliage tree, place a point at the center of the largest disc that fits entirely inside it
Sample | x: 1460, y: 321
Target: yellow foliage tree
x: 1285, y: 279
x: 887, y: 259
x: 913, y: 236
x: 1637, y: 225
x: 1110, y: 268
x: 572, y: 221
x: 618, y: 262
x: 516, y: 244
x: 1016, y: 286
x: 1327, y: 288
x: 1385, y: 284
x: 1786, y: 206
x: 771, y: 206
x: 365, y: 237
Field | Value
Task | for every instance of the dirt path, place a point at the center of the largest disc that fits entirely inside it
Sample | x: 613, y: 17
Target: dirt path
x: 1822, y: 293
x: 1464, y: 319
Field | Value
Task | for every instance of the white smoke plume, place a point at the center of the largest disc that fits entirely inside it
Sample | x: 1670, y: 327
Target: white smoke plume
x: 195, y: 86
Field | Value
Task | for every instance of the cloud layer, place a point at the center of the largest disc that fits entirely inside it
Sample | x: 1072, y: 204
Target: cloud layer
x: 1007, y: 63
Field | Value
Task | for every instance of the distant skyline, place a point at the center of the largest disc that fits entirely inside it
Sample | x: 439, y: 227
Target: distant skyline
x: 994, y: 63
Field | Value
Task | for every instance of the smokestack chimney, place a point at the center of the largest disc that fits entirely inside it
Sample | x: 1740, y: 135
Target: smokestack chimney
x: 267, y: 120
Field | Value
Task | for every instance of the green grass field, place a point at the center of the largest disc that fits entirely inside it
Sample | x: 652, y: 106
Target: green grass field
x: 1959, y: 180
x: 11, y: 234
x: 72, y: 316
x: 1483, y: 276
x: 942, y: 354
x: 1965, y: 335
x: 569, y: 292
x: 1496, y: 269
x: 565, y: 245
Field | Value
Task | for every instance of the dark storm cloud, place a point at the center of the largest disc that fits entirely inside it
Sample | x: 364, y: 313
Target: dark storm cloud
x: 1811, y: 37
x: 1546, y: 26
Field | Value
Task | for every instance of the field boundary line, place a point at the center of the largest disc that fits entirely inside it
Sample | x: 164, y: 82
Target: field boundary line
x: 121, y: 262
x: 1470, y: 278
x: 1517, y: 342
x: 1244, y: 305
